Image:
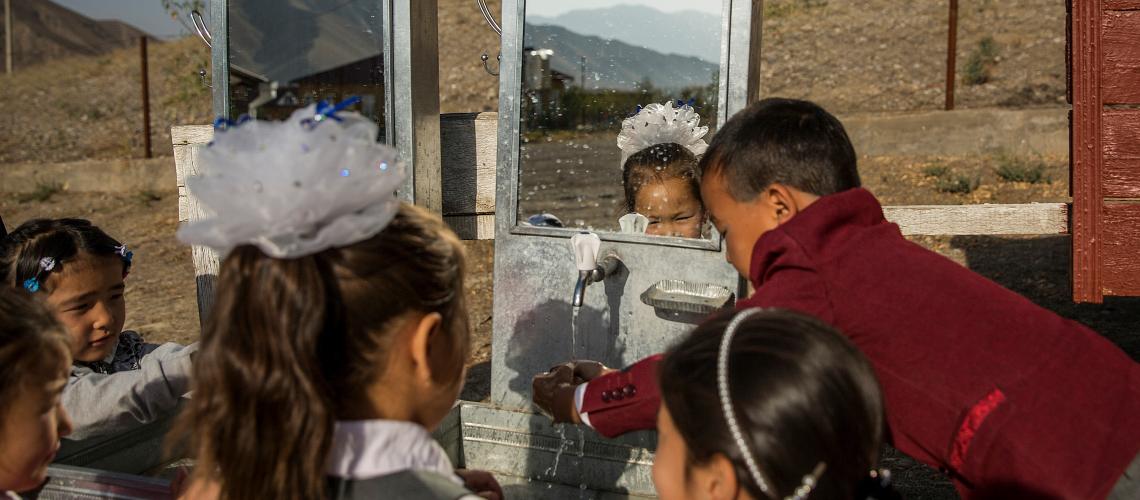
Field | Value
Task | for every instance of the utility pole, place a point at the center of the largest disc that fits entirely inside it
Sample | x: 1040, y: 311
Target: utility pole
x: 582, y: 73
x: 951, y: 53
x: 145, y: 95
x: 8, y: 37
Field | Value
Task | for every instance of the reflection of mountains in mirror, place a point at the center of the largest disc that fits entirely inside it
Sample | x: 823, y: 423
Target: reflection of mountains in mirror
x: 618, y: 61
x: 687, y: 33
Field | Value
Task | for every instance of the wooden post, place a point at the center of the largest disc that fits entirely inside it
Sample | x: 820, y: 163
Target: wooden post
x: 415, y: 105
x: 951, y: 54
x: 145, y: 96
x: 1087, y: 157
x: 8, y: 37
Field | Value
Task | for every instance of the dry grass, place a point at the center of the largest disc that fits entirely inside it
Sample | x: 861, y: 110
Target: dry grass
x: 90, y: 107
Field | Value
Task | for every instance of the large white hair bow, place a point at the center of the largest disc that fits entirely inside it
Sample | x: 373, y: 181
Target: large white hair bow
x: 661, y: 124
x: 293, y: 188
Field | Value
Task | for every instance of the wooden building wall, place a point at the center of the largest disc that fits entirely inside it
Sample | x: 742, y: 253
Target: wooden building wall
x: 1104, y: 88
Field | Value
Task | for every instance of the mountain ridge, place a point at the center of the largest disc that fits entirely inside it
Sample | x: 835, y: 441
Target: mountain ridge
x: 680, y: 33
x: 612, y: 64
x: 43, y: 30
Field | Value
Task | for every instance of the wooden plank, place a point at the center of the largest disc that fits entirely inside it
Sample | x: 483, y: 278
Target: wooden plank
x: 472, y: 227
x: 1121, y: 248
x: 1085, y: 140
x: 191, y: 134
x: 1121, y: 4
x: 187, y: 141
x: 1121, y: 153
x: 1121, y: 47
x: 468, y: 142
x: 1032, y: 218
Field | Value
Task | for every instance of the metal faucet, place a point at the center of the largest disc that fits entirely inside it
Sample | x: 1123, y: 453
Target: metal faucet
x: 590, y: 269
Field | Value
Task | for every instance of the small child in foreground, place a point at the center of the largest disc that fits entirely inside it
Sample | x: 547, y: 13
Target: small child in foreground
x: 661, y: 146
x: 339, y: 336
x: 797, y: 413
x: 34, y: 360
x: 117, y: 382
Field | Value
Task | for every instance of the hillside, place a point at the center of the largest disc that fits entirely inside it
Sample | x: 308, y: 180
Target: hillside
x: 645, y: 27
x: 44, y: 31
x: 617, y: 65
x: 852, y: 57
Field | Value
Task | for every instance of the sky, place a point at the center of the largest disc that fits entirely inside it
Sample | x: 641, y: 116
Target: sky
x: 146, y: 15
x: 552, y: 8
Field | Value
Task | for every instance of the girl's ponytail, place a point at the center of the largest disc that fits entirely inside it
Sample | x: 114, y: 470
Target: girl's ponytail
x: 292, y: 342
x: 268, y: 433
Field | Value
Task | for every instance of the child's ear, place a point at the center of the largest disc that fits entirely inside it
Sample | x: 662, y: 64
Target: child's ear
x: 778, y: 202
x: 720, y: 478
x: 786, y: 202
x: 428, y: 325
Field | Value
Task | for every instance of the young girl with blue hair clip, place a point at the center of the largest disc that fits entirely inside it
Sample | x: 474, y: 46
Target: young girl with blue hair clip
x: 117, y: 382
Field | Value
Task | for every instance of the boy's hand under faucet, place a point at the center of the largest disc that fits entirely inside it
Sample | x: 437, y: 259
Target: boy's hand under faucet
x: 553, y: 391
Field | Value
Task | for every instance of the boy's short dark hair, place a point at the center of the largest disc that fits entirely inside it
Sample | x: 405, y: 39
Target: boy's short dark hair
x: 792, y: 142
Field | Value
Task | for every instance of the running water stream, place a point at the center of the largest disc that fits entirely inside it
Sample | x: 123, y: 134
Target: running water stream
x: 563, y: 443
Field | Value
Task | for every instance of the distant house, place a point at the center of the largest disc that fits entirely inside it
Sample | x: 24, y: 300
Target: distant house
x: 543, y: 88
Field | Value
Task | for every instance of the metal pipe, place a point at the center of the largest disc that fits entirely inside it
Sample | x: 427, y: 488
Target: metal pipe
x: 584, y: 280
x: 200, y: 27
x: 489, y: 18
x: 145, y: 96
x: 951, y: 54
x: 607, y: 267
x: 8, y: 36
x: 220, y: 58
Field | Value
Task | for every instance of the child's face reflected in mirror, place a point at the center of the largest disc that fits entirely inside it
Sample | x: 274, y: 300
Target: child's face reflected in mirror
x: 33, y: 424
x: 671, y: 206
x: 87, y: 297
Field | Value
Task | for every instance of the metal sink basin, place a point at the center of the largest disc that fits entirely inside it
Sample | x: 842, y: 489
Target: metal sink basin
x: 532, y: 458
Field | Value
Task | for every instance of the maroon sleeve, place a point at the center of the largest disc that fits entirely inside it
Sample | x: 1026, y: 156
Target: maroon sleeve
x: 624, y: 401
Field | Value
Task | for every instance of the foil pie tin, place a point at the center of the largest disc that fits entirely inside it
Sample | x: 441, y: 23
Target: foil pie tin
x: 687, y: 297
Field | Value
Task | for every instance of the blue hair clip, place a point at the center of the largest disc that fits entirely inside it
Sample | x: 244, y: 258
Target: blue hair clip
x: 222, y: 123
x: 47, y: 264
x: 324, y: 110
x: 692, y: 103
x: 124, y: 254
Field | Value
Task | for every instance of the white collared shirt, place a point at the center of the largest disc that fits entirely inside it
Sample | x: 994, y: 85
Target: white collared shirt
x: 364, y: 449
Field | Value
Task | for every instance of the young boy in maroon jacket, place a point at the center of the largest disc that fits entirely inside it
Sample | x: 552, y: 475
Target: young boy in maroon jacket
x: 1005, y: 397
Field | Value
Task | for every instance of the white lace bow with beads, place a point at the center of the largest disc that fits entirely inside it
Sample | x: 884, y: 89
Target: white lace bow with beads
x: 295, y: 187
x: 662, y: 124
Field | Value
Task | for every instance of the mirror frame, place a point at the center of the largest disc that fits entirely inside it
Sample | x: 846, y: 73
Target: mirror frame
x: 411, y: 90
x: 739, y: 84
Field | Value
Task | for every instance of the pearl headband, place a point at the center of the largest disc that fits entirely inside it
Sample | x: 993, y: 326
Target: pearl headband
x: 809, y: 481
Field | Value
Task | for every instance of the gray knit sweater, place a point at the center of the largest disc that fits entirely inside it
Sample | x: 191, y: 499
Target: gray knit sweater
x: 140, y: 384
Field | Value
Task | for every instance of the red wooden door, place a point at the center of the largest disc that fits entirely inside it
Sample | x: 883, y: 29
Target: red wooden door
x: 1104, y: 87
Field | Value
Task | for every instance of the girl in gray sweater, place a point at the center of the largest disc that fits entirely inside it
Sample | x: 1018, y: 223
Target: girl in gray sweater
x: 117, y: 382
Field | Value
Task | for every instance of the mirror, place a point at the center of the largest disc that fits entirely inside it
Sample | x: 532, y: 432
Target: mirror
x: 589, y: 65
x: 287, y: 54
